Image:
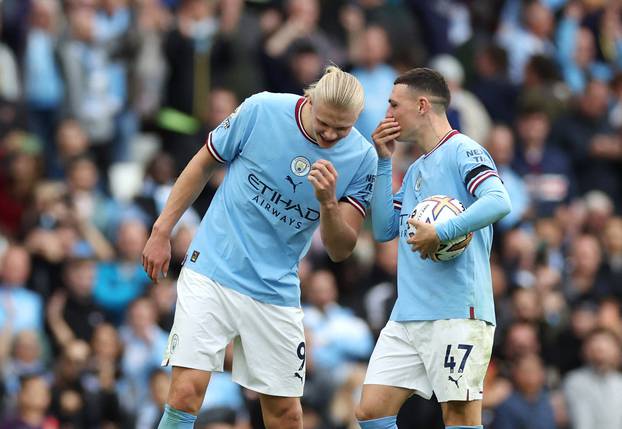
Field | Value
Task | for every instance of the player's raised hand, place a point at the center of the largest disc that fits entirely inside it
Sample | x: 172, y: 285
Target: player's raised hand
x: 384, y: 136
x: 425, y: 241
x: 157, y: 256
x: 323, y: 178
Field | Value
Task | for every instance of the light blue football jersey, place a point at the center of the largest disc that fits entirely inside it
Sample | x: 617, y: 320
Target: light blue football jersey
x: 261, y: 220
x: 460, y: 288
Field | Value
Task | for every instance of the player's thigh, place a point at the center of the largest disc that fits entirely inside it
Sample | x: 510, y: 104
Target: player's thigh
x: 205, y: 322
x: 465, y: 413
x: 381, y: 401
x: 187, y: 388
x: 269, y: 355
x: 456, y: 354
x: 397, y: 362
x: 281, y: 412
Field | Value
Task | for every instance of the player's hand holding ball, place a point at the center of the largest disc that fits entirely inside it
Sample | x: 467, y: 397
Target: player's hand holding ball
x: 384, y: 136
x: 422, y: 233
x: 424, y: 240
x: 323, y: 178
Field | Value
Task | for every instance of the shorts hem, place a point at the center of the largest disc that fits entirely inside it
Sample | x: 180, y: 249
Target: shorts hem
x: 403, y: 386
x: 463, y: 398
x: 267, y: 391
x: 192, y: 365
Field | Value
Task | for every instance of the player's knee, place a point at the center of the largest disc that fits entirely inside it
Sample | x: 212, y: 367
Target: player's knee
x: 185, y: 396
x: 462, y: 412
x: 364, y: 412
x: 288, y: 416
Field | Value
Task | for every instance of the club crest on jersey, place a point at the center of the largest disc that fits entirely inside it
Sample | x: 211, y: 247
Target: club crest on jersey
x: 418, y: 183
x: 301, y: 166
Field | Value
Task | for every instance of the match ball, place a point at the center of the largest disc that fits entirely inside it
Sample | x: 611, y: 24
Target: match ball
x: 439, y: 208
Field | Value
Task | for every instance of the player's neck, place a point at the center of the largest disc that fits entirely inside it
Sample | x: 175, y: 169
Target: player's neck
x: 433, y: 133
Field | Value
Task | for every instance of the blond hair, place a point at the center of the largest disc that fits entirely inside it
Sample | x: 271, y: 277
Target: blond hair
x: 339, y: 89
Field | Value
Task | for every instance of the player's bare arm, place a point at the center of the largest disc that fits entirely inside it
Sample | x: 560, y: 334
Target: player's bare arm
x: 384, y: 136
x: 425, y: 241
x: 157, y: 252
x: 340, y: 223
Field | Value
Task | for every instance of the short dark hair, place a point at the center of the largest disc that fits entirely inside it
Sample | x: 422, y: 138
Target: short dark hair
x: 428, y: 81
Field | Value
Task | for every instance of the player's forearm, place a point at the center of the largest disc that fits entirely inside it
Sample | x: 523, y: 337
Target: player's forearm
x: 338, y: 237
x: 187, y: 188
x: 492, y: 204
x: 384, y: 218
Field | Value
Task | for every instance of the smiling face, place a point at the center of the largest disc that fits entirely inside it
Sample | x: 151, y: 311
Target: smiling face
x: 330, y: 124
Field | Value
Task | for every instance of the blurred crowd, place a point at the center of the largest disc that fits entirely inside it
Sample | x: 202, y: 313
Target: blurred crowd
x: 102, y: 103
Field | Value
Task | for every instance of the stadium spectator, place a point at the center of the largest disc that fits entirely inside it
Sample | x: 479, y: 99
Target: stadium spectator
x: 585, y: 279
x: 151, y: 411
x: 143, y: 342
x: 44, y: 85
x: 370, y: 54
x: 531, y: 34
x: 71, y: 142
x: 586, y: 135
x: 22, y: 169
x: 466, y: 113
x: 566, y: 354
x: 86, y: 198
x: 119, y: 282
x: 23, y: 308
x: 492, y: 85
x: 71, y: 311
x: 500, y: 144
x: 576, y: 49
x: 381, y: 287
x: 544, y: 87
x: 69, y: 397
x: 612, y: 246
x: 592, y: 390
x: 195, y: 49
x: 546, y: 169
x: 340, y: 338
x: 164, y: 296
x: 22, y: 358
x: 32, y: 406
x: 529, y: 404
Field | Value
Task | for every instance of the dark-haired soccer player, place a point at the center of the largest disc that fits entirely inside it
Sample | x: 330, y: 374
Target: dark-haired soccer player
x: 439, y: 337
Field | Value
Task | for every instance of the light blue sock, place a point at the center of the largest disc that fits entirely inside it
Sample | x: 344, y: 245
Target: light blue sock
x: 176, y: 419
x: 389, y: 422
x: 464, y: 427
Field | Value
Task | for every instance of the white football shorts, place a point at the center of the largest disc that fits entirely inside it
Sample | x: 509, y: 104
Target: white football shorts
x: 445, y: 357
x: 268, y: 340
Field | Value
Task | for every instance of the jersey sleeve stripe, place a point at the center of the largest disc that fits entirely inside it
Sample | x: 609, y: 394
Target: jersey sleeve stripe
x: 357, y: 205
x: 475, y: 172
x: 475, y: 183
x: 212, y: 150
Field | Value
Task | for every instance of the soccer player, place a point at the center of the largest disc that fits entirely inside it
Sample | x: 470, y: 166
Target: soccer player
x: 439, y: 336
x: 293, y: 164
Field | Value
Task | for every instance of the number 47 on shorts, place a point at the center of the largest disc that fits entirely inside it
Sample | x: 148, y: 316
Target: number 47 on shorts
x: 450, y: 362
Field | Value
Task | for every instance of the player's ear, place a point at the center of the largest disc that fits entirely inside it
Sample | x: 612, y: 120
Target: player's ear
x: 421, y: 105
